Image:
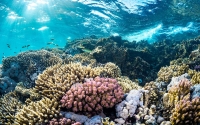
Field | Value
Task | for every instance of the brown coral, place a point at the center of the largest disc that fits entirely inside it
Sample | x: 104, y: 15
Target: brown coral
x: 186, y: 112
x: 195, y: 76
x: 39, y: 112
x: 10, y: 104
x: 166, y: 73
x: 126, y: 84
x: 153, y: 94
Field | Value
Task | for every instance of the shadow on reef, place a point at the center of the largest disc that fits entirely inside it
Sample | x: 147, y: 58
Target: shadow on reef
x: 139, y: 61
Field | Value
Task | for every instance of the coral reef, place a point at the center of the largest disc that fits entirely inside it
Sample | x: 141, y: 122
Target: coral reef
x: 195, y: 76
x: 139, y: 60
x: 179, y: 91
x: 6, y: 85
x: 9, y: 106
x: 126, y: 84
x: 154, y: 95
x: 103, y: 81
x: 84, y: 58
x: 63, y: 121
x: 186, y: 112
x: 166, y: 73
x: 195, y: 91
x: 26, y: 95
x: 39, y: 112
x: 127, y: 108
x: 56, y: 80
x: 27, y: 65
x: 93, y: 95
x: 75, y: 117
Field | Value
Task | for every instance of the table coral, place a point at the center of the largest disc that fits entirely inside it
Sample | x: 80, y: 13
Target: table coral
x: 93, y: 95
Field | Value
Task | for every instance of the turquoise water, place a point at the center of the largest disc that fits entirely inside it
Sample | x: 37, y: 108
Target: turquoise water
x: 35, y: 23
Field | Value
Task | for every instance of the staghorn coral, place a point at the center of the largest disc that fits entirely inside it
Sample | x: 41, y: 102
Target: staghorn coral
x: 25, y: 65
x: 39, y: 112
x: 9, y: 105
x: 166, y: 73
x: 126, y: 84
x: 93, y: 95
x: 186, y: 112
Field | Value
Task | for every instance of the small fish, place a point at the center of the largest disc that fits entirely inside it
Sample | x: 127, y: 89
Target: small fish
x: 49, y: 43
x: 8, y: 45
x: 86, y: 50
x: 15, y: 52
x: 25, y: 46
x: 52, y: 39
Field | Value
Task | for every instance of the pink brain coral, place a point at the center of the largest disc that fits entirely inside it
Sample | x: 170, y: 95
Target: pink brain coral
x: 93, y: 95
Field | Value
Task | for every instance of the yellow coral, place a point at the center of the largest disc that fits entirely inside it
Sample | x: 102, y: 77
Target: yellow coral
x: 186, y: 112
x: 195, y: 76
x: 39, y: 112
x: 126, y: 84
x: 106, y: 121
x: 10, y: 104
x: 166, y: 73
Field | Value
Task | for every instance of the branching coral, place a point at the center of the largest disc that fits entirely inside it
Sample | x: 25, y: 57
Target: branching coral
x: 39, y: 112
x: 153, y: 95
x: 178, y: 92
x: 166, y: 73
x: 9, y: 105
x: 186, y: 112
x: 93, y: 95
x: 56, y: 80
x: 26, y: 94
x: 195, y: 76
x: 126, y: 84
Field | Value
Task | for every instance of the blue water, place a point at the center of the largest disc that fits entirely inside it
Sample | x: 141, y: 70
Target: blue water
x: 37, y: 22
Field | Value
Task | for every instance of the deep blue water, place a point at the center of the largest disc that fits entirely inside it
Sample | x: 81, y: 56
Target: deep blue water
x: 37, y: 22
